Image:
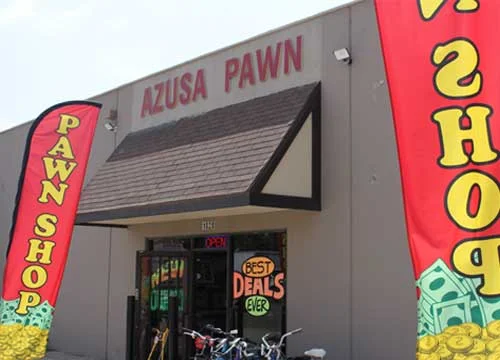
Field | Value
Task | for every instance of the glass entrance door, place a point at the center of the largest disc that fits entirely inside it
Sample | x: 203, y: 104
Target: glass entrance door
x: 209, y: 289
x: 160, y: 276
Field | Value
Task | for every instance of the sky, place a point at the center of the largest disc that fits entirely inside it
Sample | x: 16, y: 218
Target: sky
x: 60, y: 50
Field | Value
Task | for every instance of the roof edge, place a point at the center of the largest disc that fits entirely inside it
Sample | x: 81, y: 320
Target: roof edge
x: 239, y: 43
x: 207, y: 54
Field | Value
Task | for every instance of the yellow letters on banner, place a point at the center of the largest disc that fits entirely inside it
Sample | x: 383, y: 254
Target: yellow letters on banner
x: 35, y: 276
x: 59, y: 167
x: 45, y: 251
x: 40, y: 279
x: 458, y: 197
x: 27, y: 299
x: 50, y: 189
x: 429, y: 8
x: 487, y: 266
x: 62, y: 147
x: 67, y: 122
x: 453, y: 135
x: 451, y: 75
x: 472, y: 200
x: 46, y: 225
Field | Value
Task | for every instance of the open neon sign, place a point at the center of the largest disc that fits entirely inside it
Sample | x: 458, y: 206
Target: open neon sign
x: 216, y: 242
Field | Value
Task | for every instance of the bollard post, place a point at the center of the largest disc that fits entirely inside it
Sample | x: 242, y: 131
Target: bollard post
x: 173, y: 319
x: 130, y: 327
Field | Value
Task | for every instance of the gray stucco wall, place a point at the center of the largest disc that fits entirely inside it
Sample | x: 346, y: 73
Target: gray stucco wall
x: 383, y: 291
x: 350, y: 281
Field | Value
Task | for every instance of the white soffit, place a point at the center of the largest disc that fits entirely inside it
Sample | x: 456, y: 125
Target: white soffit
x: 293, y: 175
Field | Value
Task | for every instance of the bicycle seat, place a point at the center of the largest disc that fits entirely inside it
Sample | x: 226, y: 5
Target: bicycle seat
x: 315, y: 353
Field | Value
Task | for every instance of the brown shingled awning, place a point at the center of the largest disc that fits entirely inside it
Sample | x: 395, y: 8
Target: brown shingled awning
x: 261, y: 153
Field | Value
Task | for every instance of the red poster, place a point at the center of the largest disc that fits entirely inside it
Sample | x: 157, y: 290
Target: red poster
x: 54, y: 165
x: 442, y: 65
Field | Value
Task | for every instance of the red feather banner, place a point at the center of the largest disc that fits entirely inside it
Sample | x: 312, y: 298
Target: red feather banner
x: 441, y: 60
x: 52, y: 175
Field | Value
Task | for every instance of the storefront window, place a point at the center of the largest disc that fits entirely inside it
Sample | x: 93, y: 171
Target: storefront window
x: 259, y: 286
x: 226, y: 280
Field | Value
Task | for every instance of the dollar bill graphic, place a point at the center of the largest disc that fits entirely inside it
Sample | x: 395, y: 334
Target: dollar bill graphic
x: 438, y: 283
x: 490, y: 306
x: 447, y: 299
x: 477, y: 310
x: 425, y: 311
x: 451, y: 312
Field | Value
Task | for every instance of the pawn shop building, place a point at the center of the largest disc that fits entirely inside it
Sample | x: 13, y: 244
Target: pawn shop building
x: 258, y: 185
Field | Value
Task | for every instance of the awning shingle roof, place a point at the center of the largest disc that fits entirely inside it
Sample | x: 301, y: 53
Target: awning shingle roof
x: 217, y: 153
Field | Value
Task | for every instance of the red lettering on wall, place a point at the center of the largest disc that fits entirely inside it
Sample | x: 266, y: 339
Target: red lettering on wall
x: 158, y: 108
x: 147, y: 102
x: 270, y: 63
x: 284, y: 57
x: 246, y: 71
x: 232, y: 68
x: 185, y: 97
x: 200, y: 87
x: 171, y: 93
x: 294, y: 54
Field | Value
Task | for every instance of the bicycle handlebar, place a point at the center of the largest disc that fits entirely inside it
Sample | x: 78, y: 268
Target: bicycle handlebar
x: 232, y: 345
x: 193, y: 333
x: 230, y: 333
x: 283, y: 337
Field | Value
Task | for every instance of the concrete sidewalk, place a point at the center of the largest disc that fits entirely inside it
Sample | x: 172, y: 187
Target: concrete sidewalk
x: 54, y: 355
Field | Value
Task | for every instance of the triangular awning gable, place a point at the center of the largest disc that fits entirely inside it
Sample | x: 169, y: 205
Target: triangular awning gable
x: 221, y: 159
x: 293, y: 175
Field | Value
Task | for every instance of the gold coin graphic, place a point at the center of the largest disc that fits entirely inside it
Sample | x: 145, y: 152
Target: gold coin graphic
x: 444, y: 353
x: 460, y: 343
x: 476, y: 357
x: 479, y: 347
x: 455, y: 330
x: 494, y: 356
x: 442, y: 338
x: 472, y: 329
x: 493, y: 329
x: 493, y: 345
x: 432, y: 356
x: 428, y: 344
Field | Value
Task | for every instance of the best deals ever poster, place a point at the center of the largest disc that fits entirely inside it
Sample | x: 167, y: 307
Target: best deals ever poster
x: 52, y: 174
x: 442, y: 64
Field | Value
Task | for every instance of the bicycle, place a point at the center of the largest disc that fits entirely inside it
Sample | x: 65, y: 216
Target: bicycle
x: 243, y: 348
x: 273, y: 350
x: 210, y: 347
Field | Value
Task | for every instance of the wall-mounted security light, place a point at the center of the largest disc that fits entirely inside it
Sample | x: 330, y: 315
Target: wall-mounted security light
x: 110, y: 125
x: 111, y: 121
x: 343, y: 55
